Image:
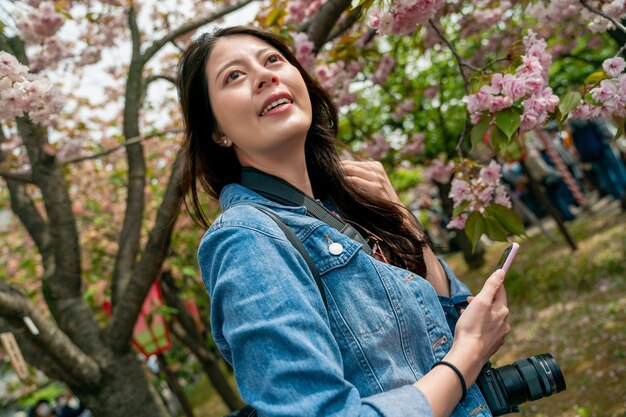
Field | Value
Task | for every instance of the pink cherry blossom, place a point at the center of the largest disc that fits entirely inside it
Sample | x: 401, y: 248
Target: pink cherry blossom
x: 460, y: 191
x: 11, y: 68
x: 502, y: 197
x: 513, y: 87
x: 491, y: 173
x: 609, y: 96
x: 477, y: 191
x: 404, y: 15
x: 304, y: 51
x: 605, y: 92
x: 614, y: 66
x: 457, y: 222
x: 24, y: 93
x: 384, y: 69
x: 336, y: 79
x: 528, y: 83
x: 498, y: 103
x: 377, y: 146
x: 439, y: 172
x: 300, y: 10
x: 414, y: 144
x: 296, y: 12
x: 40, y: 23
x: 403, y: 108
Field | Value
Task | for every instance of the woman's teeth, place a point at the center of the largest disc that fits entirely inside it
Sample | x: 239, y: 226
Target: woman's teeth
x: 275, y: 104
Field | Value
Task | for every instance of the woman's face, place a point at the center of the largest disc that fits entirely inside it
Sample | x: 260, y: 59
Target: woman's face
x: 259, y: 99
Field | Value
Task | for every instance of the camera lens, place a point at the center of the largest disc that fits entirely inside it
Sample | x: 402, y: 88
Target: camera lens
x: 530, y: 379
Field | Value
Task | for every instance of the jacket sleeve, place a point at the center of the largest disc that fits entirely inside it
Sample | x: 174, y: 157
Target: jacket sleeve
x: 269, y: 320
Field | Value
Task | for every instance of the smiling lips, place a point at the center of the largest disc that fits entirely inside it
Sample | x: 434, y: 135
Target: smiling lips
x: 274, y: 101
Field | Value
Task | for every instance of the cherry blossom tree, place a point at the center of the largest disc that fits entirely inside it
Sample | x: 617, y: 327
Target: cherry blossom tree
x: 437, y: 87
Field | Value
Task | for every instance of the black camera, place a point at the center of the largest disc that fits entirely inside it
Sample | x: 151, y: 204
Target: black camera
x: 508, y: 386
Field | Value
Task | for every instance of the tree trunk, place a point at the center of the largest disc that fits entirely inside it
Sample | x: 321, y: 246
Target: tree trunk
x: 552, y: 211
x: 125, y: 391
x: 172, y: 382
x: 185, y: 330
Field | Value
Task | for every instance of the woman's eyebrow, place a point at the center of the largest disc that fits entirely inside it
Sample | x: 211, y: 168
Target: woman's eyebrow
x: 240, y: 61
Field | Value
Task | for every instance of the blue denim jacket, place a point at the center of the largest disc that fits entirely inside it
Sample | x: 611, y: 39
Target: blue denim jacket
x: 382, y: 330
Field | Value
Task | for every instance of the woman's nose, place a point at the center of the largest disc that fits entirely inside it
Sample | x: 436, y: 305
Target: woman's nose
x: 266, y: 79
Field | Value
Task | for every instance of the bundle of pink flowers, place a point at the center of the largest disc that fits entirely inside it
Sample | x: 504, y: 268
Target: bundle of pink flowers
x: 404, y: 16
x: 609, y: 95
x: 40, y: 23
x: 528, y: 84
x: 480, y: 192
x: 23, y: 92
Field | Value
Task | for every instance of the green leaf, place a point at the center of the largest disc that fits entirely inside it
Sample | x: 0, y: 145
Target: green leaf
x: 495, y: 231
x: 460, y: 208
x: 479, y: 130
x: 596, y: 77
x: 569, y: 102
x: 475, y: 227
x: 506, y: 217
x: 365, y: 3
x: 498, y: 139
x: 508, y: 120
x: 589, y: 99
x: 189, y: 271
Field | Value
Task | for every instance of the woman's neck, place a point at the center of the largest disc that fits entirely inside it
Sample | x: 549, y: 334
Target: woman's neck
x: 293, y: 171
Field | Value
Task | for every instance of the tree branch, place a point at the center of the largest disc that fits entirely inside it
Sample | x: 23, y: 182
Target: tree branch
x: 23, y: 176
x: 50, y: 342
x: 22, y: 205
x: 130, y: 235
x: 19, y: 176
x: 135, y: 35
x: 322, y: 24
x: 62, y: 269
x: 172, y: 298
x: 461, y: 64
x: 157, y: 45
x: 125, y: 144
x: 126, y: 311
x: 592, y: 9
x: 348, y: 22
x: 152, y: 78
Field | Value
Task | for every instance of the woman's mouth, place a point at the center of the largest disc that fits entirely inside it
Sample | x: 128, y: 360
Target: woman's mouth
x: 275, y: 106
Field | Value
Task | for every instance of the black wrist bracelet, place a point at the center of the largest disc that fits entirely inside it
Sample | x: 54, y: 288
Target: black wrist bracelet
x: 457, y: 372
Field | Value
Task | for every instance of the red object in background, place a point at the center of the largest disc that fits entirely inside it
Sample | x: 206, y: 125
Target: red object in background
x: 192, y: 307
x: 151, y: 335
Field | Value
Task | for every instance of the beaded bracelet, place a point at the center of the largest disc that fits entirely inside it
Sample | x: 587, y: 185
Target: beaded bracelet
x: 458, y: 373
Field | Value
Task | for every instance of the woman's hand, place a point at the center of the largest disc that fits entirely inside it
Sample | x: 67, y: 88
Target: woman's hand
x: 481, y: 329
x: 479, y: 333
x: 371, y: 177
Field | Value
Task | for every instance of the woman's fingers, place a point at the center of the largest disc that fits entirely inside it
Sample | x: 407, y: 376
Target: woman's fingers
x: 371, y: 177
x: 493, y: 285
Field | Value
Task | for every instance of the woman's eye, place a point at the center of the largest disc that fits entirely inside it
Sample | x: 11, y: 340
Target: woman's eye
x: 273, y: 58
x: 233, y: 76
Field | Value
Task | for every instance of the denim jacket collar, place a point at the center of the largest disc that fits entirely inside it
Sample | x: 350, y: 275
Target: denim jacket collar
x: 234, y: 194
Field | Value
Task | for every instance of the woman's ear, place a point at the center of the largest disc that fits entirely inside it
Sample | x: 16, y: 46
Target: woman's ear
x: 222, y: 140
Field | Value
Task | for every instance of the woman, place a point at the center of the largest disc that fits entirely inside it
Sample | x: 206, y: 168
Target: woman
x: 250, y: 107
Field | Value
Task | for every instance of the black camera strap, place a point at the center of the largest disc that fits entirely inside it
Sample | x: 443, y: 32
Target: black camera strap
x: 297, y: 243
x: 280, y: 191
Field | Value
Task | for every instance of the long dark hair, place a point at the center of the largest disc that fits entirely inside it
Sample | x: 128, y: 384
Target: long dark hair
x: 210, y: 167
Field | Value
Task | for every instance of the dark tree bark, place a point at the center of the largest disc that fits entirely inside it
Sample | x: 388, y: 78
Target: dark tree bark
x: 70, y: 346
x: 185, y: 329
x: 322, y: 24
x: 552, y: 211
x: 172, y: 382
